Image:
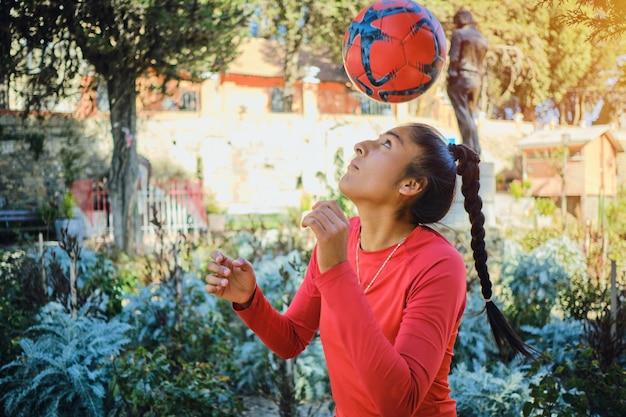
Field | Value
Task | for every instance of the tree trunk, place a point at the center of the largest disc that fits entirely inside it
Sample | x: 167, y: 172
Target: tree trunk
x: 562, y: 106
x: 288, y: 403
x: 577, y: 117
x: 290, y: 69
x: 124, y: 171
x: 529, y: 113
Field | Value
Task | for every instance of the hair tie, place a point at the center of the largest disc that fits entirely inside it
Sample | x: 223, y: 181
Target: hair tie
x: 487, y: 300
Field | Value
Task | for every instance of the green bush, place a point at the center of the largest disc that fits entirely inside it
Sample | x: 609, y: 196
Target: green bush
x: 181, y: 357
x: 21, y: 296
x: 579, y: 386
x: 545, y: 206
x: 156, y: 383
x: 97, y: 280
x: 518, y: 188
x: 582, y: 373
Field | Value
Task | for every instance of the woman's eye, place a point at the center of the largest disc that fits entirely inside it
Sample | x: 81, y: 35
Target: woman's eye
x: 387, y: 143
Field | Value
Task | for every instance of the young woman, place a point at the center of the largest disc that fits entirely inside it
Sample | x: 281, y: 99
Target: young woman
x: 386, y: 292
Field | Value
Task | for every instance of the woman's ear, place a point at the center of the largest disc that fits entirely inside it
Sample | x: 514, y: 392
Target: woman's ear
x: 411, y: 187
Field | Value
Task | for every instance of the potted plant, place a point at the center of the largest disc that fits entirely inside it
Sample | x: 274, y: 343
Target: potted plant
x: 69, y: 218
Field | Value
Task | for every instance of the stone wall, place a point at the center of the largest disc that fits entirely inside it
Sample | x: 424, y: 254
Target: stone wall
x: 27, y: 182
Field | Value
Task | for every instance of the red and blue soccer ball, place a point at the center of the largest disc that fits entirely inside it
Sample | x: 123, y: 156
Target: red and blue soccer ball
x: 394, y: 50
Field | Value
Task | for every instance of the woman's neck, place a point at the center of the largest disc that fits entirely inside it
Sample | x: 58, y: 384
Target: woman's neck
x: 380, y: 232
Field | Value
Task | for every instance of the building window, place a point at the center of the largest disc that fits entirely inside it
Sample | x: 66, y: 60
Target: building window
x: 276, y: 100
x: 278, y: 104
x: 189, y: 101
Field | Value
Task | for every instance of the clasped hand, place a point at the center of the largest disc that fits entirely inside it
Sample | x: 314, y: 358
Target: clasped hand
x: 331, y: 229
x: 234, y: 279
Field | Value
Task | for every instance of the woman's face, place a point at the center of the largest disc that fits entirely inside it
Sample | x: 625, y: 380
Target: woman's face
x: 377, y: 172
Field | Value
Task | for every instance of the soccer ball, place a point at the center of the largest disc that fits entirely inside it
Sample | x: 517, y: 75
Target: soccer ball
x: 394, y: 50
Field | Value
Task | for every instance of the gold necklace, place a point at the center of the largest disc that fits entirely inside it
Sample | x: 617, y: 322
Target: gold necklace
x: 358, y: 271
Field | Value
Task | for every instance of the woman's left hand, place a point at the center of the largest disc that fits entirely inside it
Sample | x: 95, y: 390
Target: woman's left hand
x: 331, y: 228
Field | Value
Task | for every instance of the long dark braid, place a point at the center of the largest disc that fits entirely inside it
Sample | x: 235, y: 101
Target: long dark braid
x: 469, y: 171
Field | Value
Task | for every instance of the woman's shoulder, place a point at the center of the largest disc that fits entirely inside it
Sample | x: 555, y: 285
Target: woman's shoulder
x: 428, y: 240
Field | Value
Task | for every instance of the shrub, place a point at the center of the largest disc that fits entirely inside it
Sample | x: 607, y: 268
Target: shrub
x: 556, y: 337
x: 579, y: 386
x: 157, y: 383
x: 545, y: 206
x: 181, y: 356
x: 475, y: 342
x: 64, y: 368
x: 288, y: 381
x: 501, y: 391
x: 535, y: 281
x: 21, y: 296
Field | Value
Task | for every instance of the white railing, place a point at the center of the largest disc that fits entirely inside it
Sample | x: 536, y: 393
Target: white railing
x: 176, y: 205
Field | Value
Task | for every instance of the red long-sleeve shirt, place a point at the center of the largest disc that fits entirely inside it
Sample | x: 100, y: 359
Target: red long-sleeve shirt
x: 388, y: 351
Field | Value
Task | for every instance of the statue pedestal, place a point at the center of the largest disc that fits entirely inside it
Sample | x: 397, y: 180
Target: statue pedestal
x: 457, y: 218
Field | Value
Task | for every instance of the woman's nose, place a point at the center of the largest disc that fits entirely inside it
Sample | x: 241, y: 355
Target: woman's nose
x: 359, y: 148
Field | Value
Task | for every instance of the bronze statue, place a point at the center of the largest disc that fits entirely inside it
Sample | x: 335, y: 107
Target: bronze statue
x: 467, y: 61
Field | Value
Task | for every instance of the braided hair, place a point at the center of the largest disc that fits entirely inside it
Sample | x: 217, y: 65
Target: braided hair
x: 438, y: 164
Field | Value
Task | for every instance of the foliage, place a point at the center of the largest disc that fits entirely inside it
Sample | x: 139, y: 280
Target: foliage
x: 180, y: 359
x: 616, y: 227
x: 64, y: 369
x: 605, y: 329
x: 518, y: 188
x: 258, y: 241
x: 579, y: 386
x: 535, y: 281
x: 188, y: 351
x: 501, y: 391
x: 98, y: 286
x: 606, y: 19
x: 549, y: 396
x: 65, y: 209
x: 26, y: 285
x: 553, y: 339
x: 68, y: 204
x: 288, y: 381
x: 21, y: 295
x: 31, y: 283
x: 298, y: 23
x: 70, y: 155
x: 545, y: 206
x: 582, y: 371
x: 536, y: 237
x: 564, y: 43
x: 332, y: 188
x: 538, y: 64
x: 151, y: 382
x: 474, y: 343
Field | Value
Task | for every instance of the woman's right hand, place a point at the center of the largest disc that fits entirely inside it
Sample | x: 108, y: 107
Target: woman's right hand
x: 231, y: 279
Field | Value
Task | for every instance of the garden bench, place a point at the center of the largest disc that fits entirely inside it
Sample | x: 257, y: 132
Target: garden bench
x: 13, y: 222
